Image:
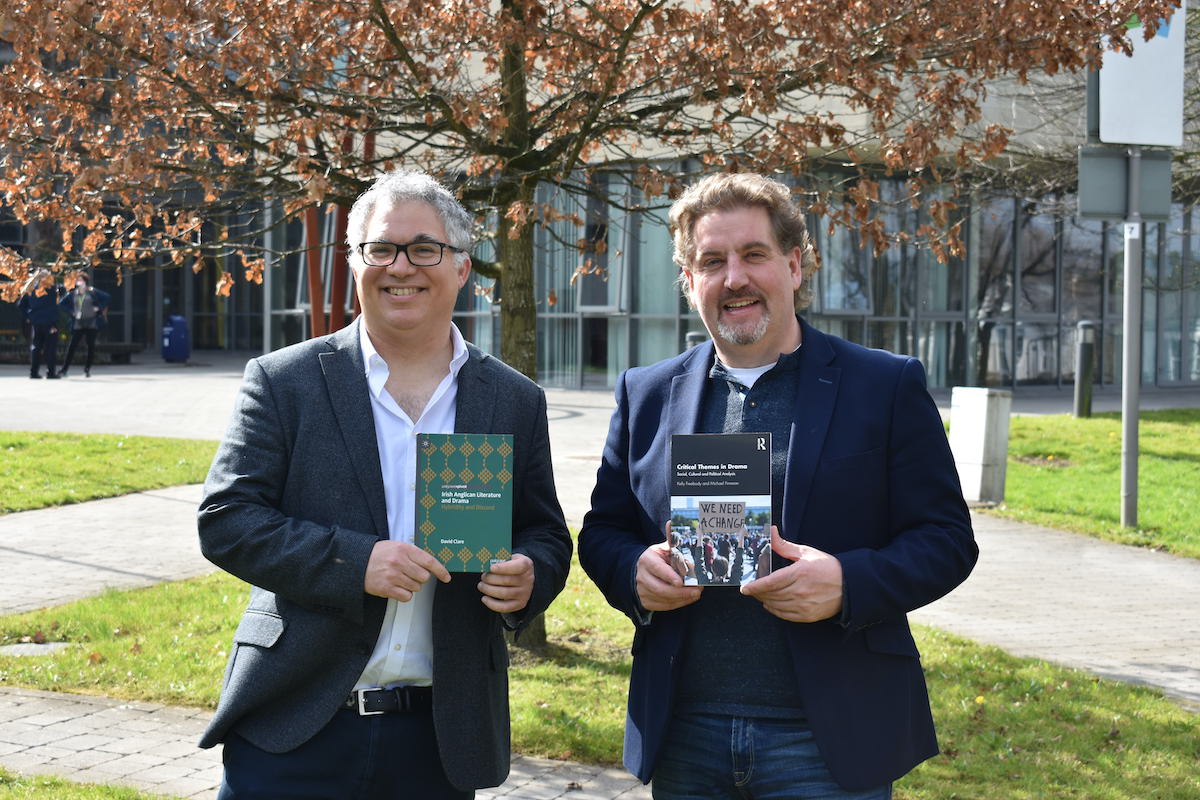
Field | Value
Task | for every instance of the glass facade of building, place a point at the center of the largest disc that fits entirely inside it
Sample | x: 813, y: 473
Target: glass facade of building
x: 1004, y: 313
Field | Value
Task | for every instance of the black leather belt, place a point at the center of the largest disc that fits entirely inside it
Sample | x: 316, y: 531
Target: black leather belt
x: 400, y: 700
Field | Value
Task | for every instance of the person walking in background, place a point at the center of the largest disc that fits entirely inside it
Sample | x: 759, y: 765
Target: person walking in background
x: 85, y: 306
x: 807, y: 681
x: 39, y: 308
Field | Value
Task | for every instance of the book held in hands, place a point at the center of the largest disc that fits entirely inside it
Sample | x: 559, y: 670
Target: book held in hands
x: 720, y: 507
x: 464, y: 498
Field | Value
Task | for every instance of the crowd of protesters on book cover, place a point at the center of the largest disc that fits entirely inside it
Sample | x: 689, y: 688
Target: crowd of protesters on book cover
x: 720, y: 558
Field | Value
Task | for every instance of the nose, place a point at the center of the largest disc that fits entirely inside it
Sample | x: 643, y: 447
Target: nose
x: 736, y: 273
x: 401, y: 266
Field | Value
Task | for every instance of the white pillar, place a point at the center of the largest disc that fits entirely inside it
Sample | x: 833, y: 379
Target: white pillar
x: 979, y: 440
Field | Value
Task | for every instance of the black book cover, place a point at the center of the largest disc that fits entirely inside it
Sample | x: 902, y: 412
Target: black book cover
x: 721, y: 507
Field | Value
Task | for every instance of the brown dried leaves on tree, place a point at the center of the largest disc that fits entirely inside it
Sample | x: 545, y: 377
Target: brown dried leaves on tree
x: 147, y: 133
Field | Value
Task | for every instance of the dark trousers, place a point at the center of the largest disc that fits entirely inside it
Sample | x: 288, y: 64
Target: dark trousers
x: 43, y: 347
x: 89, y: 337
x: 386, y: 757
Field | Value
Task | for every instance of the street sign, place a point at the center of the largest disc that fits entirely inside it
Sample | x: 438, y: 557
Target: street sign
x: 1104, y: 184
x: 1141, y: 95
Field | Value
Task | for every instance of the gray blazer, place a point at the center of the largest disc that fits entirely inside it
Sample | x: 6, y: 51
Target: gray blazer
x: 293, y: 505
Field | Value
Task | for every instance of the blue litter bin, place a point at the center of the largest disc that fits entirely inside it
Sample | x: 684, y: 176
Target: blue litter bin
x: 176, y: 344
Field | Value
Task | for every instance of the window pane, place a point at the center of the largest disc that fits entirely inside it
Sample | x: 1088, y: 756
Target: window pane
x: 1037, y: 353
x: 1190, y: 368
x: 942, y: 348
x: 991, y: 257
x: 558, y: 351
x: 993, y: 354
x: 1150, y: 260
x: 1082, y: 243
x: 1037, y: 251
x: 655, y: 339
x: 893, y: 335
x: 556, y: 258
x: 844, y: 279
x: 654, y: 289
x: 1170, y: 300
x: 894, y: 277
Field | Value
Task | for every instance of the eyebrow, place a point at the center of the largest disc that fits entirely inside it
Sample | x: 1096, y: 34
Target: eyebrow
x: 746, y: 246
x: 420, y: 237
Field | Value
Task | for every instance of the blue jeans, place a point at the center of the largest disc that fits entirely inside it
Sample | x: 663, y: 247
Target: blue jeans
x: 747, y: 758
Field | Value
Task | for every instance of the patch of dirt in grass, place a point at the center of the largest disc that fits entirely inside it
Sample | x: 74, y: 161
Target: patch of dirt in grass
x: 1044, y: 461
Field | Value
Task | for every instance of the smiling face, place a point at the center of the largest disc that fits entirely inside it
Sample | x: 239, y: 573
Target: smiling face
x: 402, y: 304
x: 744, y: 286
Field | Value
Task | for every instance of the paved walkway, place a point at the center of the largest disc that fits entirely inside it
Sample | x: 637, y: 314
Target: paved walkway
x: 1120, y: 612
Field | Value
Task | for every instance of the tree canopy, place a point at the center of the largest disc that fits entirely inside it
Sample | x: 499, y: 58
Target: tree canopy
x: 150, y: 133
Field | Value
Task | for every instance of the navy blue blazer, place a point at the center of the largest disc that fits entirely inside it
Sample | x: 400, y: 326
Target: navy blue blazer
x: 870, y: 479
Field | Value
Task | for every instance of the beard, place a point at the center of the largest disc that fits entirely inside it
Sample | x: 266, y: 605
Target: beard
x: 744, y: 334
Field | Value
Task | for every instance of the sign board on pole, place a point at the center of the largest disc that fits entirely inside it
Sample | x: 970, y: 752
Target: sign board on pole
x: 1141, y: 96
x: 1104, y: 179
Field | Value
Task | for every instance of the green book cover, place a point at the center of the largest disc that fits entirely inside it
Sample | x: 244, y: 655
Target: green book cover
x: 464, y: 498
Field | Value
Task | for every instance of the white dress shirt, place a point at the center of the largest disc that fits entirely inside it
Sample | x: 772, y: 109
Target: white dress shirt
x: 403, y: 653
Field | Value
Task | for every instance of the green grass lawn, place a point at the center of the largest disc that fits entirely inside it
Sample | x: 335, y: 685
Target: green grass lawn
x: 1009, y: 727
x: 50, y: 469
x: 23, y: 787
x: 1065, y: 473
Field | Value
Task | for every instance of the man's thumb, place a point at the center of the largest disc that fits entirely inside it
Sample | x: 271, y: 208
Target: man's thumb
x: 789, y: 550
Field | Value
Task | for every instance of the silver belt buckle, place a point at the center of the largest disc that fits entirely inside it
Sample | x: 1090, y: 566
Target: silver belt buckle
x: 362, y: 710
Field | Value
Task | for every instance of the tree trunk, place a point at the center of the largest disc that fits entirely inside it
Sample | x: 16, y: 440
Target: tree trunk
x: 518, y: 308
x: 518, y: 332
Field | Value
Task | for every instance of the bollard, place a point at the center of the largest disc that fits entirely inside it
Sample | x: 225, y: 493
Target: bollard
x: 694, y: 338
x: 979, y: 441
x: 1085, y: 366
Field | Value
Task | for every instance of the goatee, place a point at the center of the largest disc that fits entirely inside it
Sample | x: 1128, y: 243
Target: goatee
x: 743, y: 335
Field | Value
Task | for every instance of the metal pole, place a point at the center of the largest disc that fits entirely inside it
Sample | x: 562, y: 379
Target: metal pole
x: 268, y: 288
x: 1085, y: 359
x: 1131, y: 368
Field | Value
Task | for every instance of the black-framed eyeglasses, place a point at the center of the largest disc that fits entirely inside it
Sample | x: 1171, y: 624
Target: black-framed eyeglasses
x: 425, y: 253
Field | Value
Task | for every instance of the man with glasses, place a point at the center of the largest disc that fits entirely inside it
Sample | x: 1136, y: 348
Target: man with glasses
x: 361, y: 667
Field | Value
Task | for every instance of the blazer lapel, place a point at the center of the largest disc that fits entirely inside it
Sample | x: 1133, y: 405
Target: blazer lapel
x: 346, y: 384
x: 475, y: 403
x: 816, y: 396
x: 687, y: 391
x: 686, y: 394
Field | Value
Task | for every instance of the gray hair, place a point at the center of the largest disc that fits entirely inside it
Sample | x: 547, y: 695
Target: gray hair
x: 405, y: 186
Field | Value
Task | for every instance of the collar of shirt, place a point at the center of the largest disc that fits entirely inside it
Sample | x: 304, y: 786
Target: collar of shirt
x: 376, y: 368
x: 747, y: 376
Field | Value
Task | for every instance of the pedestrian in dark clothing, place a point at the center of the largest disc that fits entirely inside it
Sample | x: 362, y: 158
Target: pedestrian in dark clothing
x: 39, y: 307
x: 85, y: 306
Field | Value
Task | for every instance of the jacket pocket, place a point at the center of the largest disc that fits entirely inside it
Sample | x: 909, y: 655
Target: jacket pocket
x: 259, y: 628
x: 891, y: 638
x: 639, y: 641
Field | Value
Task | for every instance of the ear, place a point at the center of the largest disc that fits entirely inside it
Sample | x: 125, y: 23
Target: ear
x: 464, y: 271
x: 691, y: 287
x: 796, y: 267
